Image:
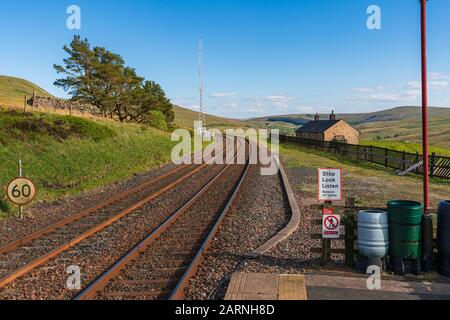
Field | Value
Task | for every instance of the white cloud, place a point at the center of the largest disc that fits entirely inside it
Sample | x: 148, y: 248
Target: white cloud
x: 433, y: 85
x: 279, y: 101
x: 223, y: 94
x: 438, y: 85
x: 366, y: 90
x: 304, y: 109
x: 363, y: 90
x: 413, y: 93
x: 386, y: 97
x: 414, y: 85
x: 436, y: 76
x: 401, y: 93
x: 230, y: 105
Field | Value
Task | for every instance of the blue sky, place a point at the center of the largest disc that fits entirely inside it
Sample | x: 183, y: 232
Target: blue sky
x: 261, y: 57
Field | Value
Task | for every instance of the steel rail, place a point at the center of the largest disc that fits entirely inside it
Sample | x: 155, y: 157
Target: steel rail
x: 37, y: 234
x: 178, y: 293
x: 50, y: 255
x: 101, y: 282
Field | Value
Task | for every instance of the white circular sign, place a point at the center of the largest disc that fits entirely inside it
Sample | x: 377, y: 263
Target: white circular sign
x: 21, y: 191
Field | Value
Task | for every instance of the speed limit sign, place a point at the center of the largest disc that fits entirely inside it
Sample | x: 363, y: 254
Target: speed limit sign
x: 21, y: 191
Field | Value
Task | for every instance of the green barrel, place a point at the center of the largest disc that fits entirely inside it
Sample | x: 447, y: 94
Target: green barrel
x: 405, y: 229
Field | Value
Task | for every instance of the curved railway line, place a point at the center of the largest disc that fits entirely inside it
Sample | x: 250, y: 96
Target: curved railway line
x: 22, y: 256
x: 146, y: 243
x: 161, y: 265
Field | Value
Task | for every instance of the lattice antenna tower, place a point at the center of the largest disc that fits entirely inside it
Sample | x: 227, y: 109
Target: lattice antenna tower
x: 200, y: 76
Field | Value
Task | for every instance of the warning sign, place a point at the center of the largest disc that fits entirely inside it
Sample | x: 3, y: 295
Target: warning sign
x: 330, y: 184
x: 331, y: 226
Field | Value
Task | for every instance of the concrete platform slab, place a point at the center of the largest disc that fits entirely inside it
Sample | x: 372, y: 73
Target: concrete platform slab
x: 355, y: 288
x: 257, y: 286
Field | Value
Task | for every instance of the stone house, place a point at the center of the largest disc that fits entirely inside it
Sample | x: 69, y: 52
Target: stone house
x: 329, y: 130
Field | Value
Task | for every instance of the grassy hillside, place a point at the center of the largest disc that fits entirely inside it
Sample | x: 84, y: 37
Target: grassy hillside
x: 13, y: 90
x: 399, y: 124
x: 185, y: 118
x: 66, y: 155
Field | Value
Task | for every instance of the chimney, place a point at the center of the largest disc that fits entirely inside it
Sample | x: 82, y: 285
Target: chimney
x: 332, y: 116
x: 317, y: 117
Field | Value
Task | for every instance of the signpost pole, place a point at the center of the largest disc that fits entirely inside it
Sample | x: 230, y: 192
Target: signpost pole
x: 329, y: 190
x: 20, y: 175
x: 327, y: 244
x: 423, y: 7
x: 427, y: 257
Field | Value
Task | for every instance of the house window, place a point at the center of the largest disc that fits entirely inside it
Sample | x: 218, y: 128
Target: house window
x: 340, y: 138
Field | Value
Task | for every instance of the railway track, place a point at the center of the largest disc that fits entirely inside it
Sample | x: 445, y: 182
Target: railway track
x: 24, y: 255
x: 161, y: 265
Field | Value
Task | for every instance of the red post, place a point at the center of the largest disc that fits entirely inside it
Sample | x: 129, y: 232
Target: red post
x: 426, y: 178
x: 427, y: 223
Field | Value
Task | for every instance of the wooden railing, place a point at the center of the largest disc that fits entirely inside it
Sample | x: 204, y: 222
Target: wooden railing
x: 398, y: 160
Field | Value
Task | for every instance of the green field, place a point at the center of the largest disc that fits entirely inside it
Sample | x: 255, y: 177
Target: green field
x: 13, y: 90
x: 371, y: 185
x: 405, y: 146
x: 65, y: 155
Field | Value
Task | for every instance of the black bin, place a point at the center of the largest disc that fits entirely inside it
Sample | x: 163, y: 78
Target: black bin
x: 443, y: 238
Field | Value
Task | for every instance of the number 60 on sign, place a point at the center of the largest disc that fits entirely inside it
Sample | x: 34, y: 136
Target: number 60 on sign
x: 21, y: 191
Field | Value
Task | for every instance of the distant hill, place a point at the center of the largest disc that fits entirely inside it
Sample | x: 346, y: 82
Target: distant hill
x: 186, y: 117
x: 401, y: 123
x: 13, y: 90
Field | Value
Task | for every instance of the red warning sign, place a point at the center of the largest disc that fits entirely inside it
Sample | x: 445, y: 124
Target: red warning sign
x: 331, y: 226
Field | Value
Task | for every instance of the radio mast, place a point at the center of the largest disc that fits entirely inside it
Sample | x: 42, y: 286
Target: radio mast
x: 200, y: 76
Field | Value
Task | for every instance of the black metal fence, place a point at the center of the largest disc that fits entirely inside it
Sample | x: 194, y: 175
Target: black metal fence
x: 398, y: 160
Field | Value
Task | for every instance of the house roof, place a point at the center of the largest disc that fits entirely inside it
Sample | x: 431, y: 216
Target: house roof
x: 318, y: 126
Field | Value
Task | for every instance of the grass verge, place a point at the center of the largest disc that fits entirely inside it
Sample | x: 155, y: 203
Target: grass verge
x: 370, y: 184
x: 65, y: 155
x: 405, y: 146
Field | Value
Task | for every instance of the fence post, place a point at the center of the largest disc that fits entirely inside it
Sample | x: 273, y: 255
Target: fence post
x: 371, y: 153
x: 403, y: 161
x: 385, y: 157
x: 417, y: 156
x: 25, y: 104
x: 349, y: 236
x: 432, y: 163
x: 34, y: 99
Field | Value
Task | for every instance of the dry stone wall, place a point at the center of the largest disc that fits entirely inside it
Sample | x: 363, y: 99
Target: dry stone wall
x: 61, y: 104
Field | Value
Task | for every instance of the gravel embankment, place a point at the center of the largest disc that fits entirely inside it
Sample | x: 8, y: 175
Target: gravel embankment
x: 259, y: 212
x: 294, y: 256
x: 27, y: 252
x: 185, y: 235
x: 95, y: 254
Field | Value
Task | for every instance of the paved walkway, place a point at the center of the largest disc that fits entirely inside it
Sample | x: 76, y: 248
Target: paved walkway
x: 255, y: 286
